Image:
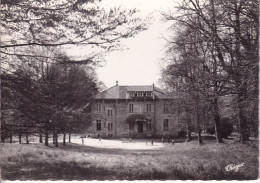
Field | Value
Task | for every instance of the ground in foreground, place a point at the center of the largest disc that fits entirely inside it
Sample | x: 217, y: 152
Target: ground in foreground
x: 181, y: 161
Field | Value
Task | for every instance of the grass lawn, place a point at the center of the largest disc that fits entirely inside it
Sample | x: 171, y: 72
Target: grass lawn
x: 180, y: 161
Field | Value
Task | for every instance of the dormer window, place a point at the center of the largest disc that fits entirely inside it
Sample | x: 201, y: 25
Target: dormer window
x: 139, y: 94
x: 148, y: 94
x: 132, y: 94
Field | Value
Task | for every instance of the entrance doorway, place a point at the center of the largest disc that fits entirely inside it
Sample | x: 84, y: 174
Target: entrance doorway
x: 140, y: 127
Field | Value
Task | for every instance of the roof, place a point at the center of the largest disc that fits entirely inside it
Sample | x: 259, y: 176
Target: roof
x: 120, y: 92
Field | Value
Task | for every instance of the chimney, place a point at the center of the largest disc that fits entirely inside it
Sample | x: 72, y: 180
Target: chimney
x: 152, y: 92
x: 116, y: 83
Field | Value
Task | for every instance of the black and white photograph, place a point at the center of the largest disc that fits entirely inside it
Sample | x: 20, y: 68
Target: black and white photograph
x: 129, y: 90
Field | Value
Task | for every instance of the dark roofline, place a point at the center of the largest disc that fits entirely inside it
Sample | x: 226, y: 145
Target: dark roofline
x: 155, y: 88
x: 126, y: 89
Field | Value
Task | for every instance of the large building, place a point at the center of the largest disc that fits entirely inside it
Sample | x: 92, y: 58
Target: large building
x: 133, y: 111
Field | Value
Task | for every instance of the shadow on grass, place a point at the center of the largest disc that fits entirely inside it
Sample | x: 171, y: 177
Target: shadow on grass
x: 187, y: 161
x: 88, y: 171
x: 84, y: 148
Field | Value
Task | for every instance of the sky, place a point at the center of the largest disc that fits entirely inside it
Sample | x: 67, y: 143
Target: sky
x: 140, y: 63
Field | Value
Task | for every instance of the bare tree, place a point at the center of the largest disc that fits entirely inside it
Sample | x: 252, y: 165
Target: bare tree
x: 231, y: 30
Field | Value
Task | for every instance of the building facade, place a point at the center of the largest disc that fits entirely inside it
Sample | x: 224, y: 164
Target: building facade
x: 133, y: 111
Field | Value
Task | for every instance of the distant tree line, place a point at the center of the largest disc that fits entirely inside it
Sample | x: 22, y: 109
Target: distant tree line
x: 212, y: 61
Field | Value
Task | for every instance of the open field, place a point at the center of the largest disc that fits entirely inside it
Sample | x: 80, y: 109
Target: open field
x: 185, y: 160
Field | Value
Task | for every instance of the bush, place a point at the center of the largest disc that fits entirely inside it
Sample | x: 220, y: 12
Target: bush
x: 211, y: 130
x: 226, y: 129
x: 182, y: 134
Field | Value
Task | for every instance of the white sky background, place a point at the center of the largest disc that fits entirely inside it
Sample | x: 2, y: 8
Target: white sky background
x: 140, y: 63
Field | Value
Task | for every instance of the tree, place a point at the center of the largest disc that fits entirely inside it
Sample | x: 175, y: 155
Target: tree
x: 49, y: 96
x: 29, y: 27
x: 201, y: 78
x: 72, y: 95
x: 52, y: 23
x: 227, y: 127
x: 18, y: 103
x: 231, y: 30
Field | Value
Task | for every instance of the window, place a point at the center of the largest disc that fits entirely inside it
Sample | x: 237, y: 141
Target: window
x: 139, y: 94
x: 165, y: 108
x: 104, y: 124
x: 166, y: 124
x: 132, y: 94
x: 131, y: 108
x: 148, y: 107
x: 98, y: 108
x: 131, y: 126
x: 149, y: 125
x: 148, y: 94
x: 98, y: 125
x: 110, y: 126
x: 110, y: 112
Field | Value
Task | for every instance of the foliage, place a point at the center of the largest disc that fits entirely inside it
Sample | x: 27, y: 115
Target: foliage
x: 211, y: 130
x: 56, y: 101
x: 182, y: 134
x: 227, y: 129
x: 41, y: 86
x: 66, y: 24
x: 215, y: 54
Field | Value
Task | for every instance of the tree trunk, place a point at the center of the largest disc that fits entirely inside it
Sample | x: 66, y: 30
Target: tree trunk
x: 69, y: 137
x: 53, y: 138
x: 243, y: 126
x: 40, y: 138
x: 20, y: 137
x: 64, y: 139
x: 46, y: 138
x: 11, y: 137
x: 56, y: 140
x: 217, y: 128
x: 217, y: 122
x: 198, y: 124
x: 215, y: 65
x: 188, y: 127
x: 188, y: 134
x: 2, y: 137
x: 241, y: 84
x: 26, y: 137
x: 199, y: 136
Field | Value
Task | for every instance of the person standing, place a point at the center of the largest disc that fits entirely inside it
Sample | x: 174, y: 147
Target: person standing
x: 173, y: 142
